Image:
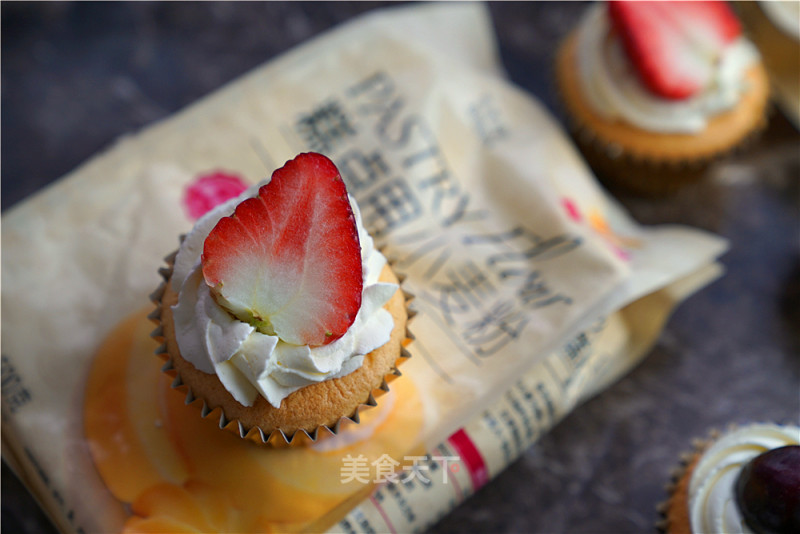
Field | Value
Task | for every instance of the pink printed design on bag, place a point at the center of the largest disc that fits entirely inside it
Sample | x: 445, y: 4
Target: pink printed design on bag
x: 210, y: 190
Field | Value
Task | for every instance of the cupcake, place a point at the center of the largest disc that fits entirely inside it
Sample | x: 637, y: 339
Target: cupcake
x: 774, y: 27
x: 277, y: 313
x: 746, y: 480
x: 655, y: 91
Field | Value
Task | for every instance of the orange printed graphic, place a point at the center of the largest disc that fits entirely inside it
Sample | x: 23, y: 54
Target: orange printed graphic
x: 181, y: 473
x: 621, y: 245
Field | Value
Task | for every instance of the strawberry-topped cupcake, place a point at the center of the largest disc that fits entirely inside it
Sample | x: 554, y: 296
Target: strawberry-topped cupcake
x: 277, y: 313
x: 658, y: 90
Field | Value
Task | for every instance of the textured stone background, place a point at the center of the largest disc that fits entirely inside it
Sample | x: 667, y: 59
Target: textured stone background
x: 77, y: 75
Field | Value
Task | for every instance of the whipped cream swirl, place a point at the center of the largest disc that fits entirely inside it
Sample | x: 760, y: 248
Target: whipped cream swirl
x: 248, y: 362
x: 614, y: 91
x: 712, y: 501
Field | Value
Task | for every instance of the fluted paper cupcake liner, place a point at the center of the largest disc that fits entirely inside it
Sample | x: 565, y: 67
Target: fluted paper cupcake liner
x: 678, y: 487
x: 276, y: 437
x: 645, y: 176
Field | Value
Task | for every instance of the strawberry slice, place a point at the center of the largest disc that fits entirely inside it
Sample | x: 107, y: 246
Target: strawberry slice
x: 288, y: 260
x: 674, y: 45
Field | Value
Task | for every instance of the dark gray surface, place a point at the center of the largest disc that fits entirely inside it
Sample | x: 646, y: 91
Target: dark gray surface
x: 76, y: 76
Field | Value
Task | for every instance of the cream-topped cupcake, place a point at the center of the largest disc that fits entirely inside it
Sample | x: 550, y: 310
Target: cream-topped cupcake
x: 278, y: 310
x: 774, y: 27
x: 717, y: 490
x: 656, y: 90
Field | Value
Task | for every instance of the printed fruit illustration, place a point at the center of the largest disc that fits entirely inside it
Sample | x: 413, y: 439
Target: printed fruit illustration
x: 210, y: 190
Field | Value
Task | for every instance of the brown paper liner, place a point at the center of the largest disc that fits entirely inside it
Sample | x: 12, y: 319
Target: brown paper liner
x: 651, y: 164
x: 276, y: 437
x: 673, y: 514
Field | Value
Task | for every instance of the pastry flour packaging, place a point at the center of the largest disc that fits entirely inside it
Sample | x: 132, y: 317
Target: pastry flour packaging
x: 533, y: 290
